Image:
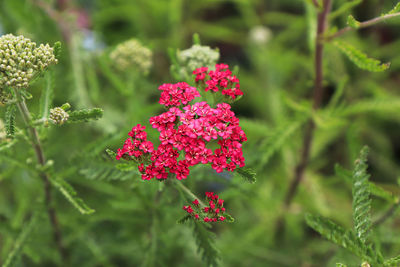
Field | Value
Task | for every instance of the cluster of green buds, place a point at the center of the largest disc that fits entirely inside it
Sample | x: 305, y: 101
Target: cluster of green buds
x: 195, y: 57
x: 58, y: 115
x: 132, y: 54
x: 21, y: 60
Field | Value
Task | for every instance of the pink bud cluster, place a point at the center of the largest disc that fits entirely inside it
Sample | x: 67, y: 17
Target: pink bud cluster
x: 189, y: 135
x: 212, y: 213
x: 219, y: 79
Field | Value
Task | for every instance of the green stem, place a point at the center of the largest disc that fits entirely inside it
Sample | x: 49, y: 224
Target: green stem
x: 35, y: 140
x: 186, y: 190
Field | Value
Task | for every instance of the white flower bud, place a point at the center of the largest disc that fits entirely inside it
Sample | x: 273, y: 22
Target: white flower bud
x: 132, y: 54
x: 58, y: 116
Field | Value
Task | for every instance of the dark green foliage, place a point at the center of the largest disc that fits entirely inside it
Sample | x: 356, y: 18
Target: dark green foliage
x: 85, y: 115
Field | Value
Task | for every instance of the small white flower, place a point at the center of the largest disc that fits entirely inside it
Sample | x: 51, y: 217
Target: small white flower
x: 260, y: 35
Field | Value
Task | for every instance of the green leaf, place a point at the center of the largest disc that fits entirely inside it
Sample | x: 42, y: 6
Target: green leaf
x: 361, y: 197
x: 47, y: 96
x: 184, y: 219
x: 10, y: 121
x: 352, y: 22
x: 360, y: 59
x: 85, y: 115
x: 279, y: 138
x: 125, y: 167
x: 344, y: 8
x: 196, y: 39
x: 341, y: 265
x: 205, y: 241
x: 70, y: 194
x: 336, y: 234
x: 249, y: 175
x: 21, y: 240
x: 396, y: 9
x: 393, y: 261
x: 57, y: 50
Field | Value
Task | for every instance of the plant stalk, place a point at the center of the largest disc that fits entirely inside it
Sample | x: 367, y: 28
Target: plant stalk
x: 190, y: 193
x: 57, y: 236
x: 309, y: 132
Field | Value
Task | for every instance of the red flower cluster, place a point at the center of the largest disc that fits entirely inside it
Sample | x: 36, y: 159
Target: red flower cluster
x: 212, y: 213
x: 187, y: 130
x: 177, y: 94
x: 219, y: 79
x: 137, y: 145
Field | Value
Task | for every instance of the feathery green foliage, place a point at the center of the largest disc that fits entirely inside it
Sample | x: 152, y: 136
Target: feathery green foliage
x: 21, y: 240
x: 10, y: 121
x: 361, y: 197
x: 248, y: 175
x: 394, y: 10
x: 70, y: 194
x: 205, y: 241
x: 393, y: 261
x: 360, y: 59
x: 352, y: 22
x: 348, y: 5
x: 85, y: 115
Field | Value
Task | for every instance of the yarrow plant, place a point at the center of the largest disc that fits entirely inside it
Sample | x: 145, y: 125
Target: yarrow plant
x: 188, y: 132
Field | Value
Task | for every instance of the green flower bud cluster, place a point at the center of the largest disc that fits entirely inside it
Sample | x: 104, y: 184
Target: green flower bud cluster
x: 21, y: 60
x: 58, y: 115
x: 132, y: 54
x: 195, y: 57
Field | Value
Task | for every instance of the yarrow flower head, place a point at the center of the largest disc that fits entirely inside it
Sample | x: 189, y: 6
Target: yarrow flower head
x: 21, y: 60
x: 190, y: 134
x: 58, y: 115
x: 132, y: 54
x: 221, y: 79
x: 213, y: 212
x: 196, y: 57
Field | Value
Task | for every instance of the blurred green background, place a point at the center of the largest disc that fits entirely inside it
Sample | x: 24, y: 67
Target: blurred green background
x: 272, y: 43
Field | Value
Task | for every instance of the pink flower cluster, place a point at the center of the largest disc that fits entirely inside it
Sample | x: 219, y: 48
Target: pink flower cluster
x: 137, y: 144
x: 219, y: 79
x: 189, y: 135
x: 177, y: 94
x: 212, y: 213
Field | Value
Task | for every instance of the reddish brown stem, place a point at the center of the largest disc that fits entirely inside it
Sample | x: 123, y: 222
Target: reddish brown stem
x: 47, y: 186
x: 309, y: 132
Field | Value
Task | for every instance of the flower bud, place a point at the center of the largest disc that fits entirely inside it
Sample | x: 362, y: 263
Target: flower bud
x: 58, y: 116
x: 132, y: 54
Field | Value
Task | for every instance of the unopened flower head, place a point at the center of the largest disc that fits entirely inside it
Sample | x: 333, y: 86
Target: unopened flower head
x: 21, y: 60
x: 195, y: 57
x: 132, y: 54
x: 58, y: 116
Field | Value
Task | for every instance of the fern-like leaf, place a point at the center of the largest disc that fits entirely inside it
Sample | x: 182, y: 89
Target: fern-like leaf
x: 20, y: 241
x: 360, y: 59
x: 10, y: 121
x: 70, y: 194
x: 279, y: 137
x: 393, y: 261
x: 337, y: 234
x: 344, y: 8
x: 395, y: 9
x: 361, y: 197
x: 184, y: 219
x: 206, y: 244
x: 249, y: 175
x: 85, y: 115
x: 352, y: 22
